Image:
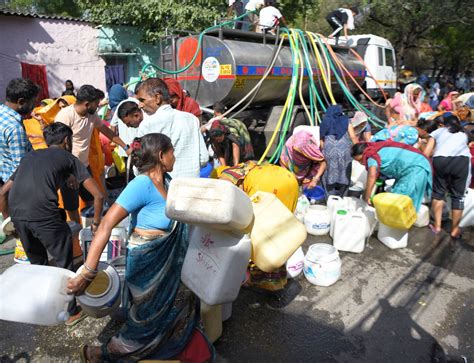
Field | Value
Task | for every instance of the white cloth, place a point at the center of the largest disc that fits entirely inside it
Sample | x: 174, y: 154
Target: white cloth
x: 269, y: 16
x: 183, y: 130
x: 350, y: 18
x: 253, y: 5
x: 127, y: 134
x: 448, y: 144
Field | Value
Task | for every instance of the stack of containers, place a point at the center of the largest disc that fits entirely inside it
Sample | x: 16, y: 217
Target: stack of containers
x: 220, y: 215
x: 396, y: 214
x: 227, y: 229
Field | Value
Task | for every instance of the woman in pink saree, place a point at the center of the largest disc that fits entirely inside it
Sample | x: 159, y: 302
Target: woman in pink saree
x: 405, y: 107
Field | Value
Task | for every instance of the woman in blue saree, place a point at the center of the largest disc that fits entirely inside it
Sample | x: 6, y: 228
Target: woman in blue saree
x: 164, y: 315
x: 410, y: 168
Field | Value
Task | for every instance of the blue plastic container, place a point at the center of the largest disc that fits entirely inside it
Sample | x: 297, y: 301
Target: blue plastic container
x: 206, y: 171
x: 316, y: 194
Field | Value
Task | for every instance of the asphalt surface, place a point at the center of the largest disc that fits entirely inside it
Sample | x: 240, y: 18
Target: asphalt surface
x: 408, y: 305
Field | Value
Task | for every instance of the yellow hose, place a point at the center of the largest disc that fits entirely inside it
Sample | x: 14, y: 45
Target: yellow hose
x: 285, y: 107
x: 321, y: 67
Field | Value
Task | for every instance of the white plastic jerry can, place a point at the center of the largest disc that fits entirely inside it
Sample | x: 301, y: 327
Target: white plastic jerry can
x: 212, y: 203
x: 392, y: 237
x: 350, y: 231
x: 214, y: 264
x: 35, y: 294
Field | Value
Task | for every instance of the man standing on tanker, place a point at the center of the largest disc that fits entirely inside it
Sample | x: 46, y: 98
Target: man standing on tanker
x: 340, y: 19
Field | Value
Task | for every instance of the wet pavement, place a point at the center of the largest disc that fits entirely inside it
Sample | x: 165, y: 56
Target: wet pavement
x: 409, y: 305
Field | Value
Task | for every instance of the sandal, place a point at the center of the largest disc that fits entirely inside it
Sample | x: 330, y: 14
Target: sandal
x: 83, y: 353
x: 457, y: 237
x: 75, y: 319
x: 433, y: 229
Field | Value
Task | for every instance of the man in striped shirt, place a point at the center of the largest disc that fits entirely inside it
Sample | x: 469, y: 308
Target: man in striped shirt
x: 21, y: 97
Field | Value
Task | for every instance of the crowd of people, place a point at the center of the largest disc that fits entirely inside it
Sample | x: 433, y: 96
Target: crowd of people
x: 57, y: 146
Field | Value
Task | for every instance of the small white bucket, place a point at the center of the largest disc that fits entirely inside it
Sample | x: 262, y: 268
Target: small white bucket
x: 322, y: 265
x: 317, y: 220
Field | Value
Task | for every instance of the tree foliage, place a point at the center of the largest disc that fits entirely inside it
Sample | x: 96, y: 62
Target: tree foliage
x: 424, y: 25
x: 49, y: 7
x: 154, y: 16
x: 425, y: 33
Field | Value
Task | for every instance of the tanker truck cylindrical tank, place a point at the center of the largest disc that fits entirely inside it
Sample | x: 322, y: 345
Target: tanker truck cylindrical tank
x: 226, y: 70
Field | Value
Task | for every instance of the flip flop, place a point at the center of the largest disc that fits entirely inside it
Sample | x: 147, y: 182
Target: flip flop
x: 76, y: 319
x: 83, y: 353
x: 433, y: 229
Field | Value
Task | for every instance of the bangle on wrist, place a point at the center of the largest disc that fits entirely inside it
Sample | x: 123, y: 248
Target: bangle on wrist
x: 86, y: 278
x: 95, y: 272
x: 126, y: 147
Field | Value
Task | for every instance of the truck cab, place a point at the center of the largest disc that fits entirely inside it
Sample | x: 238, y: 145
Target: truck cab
x: 379, y: 57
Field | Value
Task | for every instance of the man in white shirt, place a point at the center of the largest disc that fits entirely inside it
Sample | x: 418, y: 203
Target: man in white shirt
x: 270, y: 18
x: 126, y: 131
x: 181, y: 127
x: 252, y: 8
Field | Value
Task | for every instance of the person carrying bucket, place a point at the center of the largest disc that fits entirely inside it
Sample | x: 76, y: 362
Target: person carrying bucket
x: 163, y: 319
x: 38, y: 220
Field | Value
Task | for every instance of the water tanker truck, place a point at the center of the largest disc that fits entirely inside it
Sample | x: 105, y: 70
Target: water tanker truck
x: 255, y: 74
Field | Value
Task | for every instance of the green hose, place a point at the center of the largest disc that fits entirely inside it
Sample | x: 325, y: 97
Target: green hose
x: 198, y: 48
x: 6, y: 252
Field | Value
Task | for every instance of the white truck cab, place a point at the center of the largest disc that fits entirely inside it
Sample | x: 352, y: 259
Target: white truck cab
x: 379, y: 56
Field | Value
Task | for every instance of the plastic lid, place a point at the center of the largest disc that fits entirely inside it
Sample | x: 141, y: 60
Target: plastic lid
x: 341, y: 212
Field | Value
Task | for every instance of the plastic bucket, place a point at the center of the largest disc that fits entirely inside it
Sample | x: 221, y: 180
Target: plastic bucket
x: 102, y: 296
x: 317, y: 220
x: 322, y: 265
x: 206, y: 171
x: 316, y: 194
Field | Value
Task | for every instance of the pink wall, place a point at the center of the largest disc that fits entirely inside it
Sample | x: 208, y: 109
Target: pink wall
x: 69, y: 49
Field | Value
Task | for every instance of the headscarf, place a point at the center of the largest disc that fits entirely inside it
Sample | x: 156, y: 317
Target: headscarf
x: 117, y: 94
x: 218, y: 129
x: 34, y: 128
x: 335, y: 122
x: 404, y: 103
x: 185, y: 103
x: 49, y: 112
x: 447, y: 102
x: 360, y: 118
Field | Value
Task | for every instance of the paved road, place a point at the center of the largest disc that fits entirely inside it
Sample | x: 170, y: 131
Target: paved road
x: 409, y: 305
